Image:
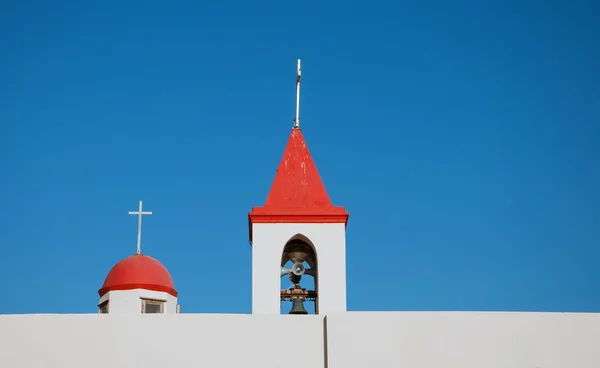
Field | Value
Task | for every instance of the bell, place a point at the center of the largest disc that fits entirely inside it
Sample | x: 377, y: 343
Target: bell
x: 298, y: 307
x: 294, y: 279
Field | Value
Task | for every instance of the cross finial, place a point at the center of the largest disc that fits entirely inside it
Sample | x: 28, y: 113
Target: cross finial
x: 297, y: 119
x: 140, y: 213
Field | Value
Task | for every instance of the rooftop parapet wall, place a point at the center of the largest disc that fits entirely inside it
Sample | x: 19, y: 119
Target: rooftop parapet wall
x: 343, y: 340
x: 161, y: 340
x: 463, y: 340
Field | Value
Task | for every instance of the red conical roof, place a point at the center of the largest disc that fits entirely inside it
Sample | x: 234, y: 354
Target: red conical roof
x: 297, y: 194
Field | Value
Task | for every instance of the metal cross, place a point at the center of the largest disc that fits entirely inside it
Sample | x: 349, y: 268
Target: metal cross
x: 140, y: 213
x: 298, y: 74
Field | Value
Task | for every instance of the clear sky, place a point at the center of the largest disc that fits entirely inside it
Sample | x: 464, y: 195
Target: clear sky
x: 462, y: 138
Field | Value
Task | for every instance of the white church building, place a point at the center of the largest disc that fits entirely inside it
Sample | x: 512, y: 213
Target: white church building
x: 297, y: 236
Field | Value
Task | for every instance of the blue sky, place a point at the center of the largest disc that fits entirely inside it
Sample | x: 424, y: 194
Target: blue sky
x: 462, y: 138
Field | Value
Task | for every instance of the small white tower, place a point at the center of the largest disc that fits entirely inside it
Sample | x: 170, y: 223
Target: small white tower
x: 138, y: 284
x: 300, y: 227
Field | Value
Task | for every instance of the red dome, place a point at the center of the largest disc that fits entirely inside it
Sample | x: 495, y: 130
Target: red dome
x: 138, y: 272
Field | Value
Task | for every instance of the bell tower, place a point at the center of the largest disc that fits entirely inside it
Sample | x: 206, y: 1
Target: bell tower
x: 298, y: 238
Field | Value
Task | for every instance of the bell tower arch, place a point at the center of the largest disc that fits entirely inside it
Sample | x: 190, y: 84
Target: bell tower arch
x: 299, y: 262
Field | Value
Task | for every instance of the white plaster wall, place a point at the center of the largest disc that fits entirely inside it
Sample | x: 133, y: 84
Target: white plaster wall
x: 267, y: 248
x: 353, y: 339
x: 130, y: 301
x: 463, y: 340
x: 160, y: 341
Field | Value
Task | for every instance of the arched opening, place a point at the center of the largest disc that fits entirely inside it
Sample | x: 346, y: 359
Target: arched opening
x: 299, y: 277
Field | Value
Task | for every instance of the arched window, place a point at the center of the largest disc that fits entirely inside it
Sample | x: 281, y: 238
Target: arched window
x: 299, y: 277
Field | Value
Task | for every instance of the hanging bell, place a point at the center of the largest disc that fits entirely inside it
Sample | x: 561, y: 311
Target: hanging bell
x: 298, y: 307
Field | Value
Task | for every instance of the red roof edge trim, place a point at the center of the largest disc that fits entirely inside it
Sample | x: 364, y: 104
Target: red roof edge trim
x: 152, y: 287
x: 290, y: 218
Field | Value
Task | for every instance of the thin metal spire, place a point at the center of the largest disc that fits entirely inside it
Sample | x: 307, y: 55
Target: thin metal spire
x: 140, y: 213
x: 297, y: 119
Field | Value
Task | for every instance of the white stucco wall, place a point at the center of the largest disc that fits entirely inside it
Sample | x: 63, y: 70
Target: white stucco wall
x: 267, y: 248
x: 130, y: 301
x: 160, y: 341
x: 463, y: 340
x: 353, y: 339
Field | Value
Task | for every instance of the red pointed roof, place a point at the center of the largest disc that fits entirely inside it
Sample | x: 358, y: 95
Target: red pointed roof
x: 297, y: 194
